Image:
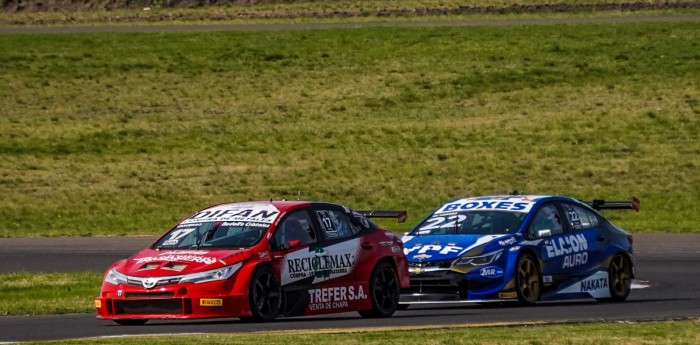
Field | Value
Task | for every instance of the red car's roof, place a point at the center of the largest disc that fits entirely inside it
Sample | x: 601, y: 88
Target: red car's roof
x: 282, y: 206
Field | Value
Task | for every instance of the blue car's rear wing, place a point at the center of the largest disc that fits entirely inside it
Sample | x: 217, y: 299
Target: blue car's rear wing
x: 599, y: 204
x: 400, y: 216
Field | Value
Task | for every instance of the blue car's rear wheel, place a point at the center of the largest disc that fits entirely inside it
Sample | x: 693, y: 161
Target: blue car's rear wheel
x: 527, y: 280
x: 620, y: 278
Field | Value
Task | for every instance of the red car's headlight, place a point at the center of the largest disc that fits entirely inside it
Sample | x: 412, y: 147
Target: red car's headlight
x: 212, y: 275
x: 116, y: 278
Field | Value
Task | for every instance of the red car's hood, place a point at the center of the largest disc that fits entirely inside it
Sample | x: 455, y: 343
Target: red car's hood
x: 158, y: 263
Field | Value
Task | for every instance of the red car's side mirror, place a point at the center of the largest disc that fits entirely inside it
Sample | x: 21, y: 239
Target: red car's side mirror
x: 294, y: 243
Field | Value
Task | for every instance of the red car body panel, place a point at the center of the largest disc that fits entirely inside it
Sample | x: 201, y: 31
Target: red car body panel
x: 329, y: 275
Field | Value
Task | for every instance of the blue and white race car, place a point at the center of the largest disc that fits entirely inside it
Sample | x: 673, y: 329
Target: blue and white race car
x: 524, y: 248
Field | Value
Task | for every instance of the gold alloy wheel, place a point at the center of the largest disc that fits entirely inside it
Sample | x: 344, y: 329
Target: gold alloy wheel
x: 620, y: 275
x: 528, y: 280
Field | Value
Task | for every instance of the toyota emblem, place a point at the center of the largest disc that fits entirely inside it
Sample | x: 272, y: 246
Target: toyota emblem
x: 150, y: 283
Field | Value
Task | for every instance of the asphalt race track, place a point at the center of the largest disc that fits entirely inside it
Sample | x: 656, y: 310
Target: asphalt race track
x: 669, y: 264
x: 345, y: 25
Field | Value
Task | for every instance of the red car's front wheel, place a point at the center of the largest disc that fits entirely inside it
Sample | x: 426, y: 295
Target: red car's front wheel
x: 265, y: 295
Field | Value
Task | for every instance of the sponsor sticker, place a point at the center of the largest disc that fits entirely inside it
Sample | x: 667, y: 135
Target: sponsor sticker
x: 491, y: 272
x: 433, y: 248
x: 422, y: 256
x: 515, y: 204
x: 245, y: 212
x: 507, y: 242
x: 451, y: 247
x: 184, y: 255
x: 595, y: 285
x: 211, y: 302
x: 321, y: 263
x: 507, y: 295
x: 574, y: 247
x: 335, y: 297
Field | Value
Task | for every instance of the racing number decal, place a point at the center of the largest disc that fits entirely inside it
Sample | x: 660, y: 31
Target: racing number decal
x: 177, y: 235
x: 327, y: 223
x: 436, y: 222
x: 575, y: 219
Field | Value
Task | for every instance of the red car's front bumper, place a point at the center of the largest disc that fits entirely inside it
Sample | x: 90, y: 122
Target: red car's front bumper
x: 178, y: 301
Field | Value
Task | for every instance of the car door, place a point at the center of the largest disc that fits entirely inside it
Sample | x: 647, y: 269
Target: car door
x: 335, y: 283
x: 293, y: 246
x: 548, y: 225
x: 341, y: 242
x: 585, y: 229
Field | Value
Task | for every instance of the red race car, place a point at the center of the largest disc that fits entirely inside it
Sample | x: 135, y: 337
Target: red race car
x: 260, y: 260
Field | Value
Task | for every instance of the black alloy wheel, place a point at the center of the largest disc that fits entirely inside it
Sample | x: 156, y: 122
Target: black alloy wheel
x: 265, y: 295
x: 383, y: 292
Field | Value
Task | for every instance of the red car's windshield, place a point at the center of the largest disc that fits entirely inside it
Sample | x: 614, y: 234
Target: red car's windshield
x: 213, y: 235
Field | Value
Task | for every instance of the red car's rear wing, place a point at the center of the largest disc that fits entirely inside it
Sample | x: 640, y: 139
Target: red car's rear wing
x: 401, y: 216
x: 599, y: 204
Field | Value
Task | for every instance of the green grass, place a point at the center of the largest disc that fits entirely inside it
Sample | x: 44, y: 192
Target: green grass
x: 627, y: 333
x: 48, y: 293
x: 125, y: 133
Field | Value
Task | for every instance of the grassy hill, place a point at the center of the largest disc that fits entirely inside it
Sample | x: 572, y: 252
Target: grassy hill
x: 111, y: 133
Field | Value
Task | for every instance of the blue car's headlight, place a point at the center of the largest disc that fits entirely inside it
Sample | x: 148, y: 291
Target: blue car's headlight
x: 480, y: 260
x: 212, y: 275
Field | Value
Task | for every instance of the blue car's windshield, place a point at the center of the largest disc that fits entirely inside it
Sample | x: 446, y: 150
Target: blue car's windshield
x: 470, y: 223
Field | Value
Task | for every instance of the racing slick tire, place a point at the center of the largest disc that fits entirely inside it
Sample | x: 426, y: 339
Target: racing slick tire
x: 131, y: 322
x: 528, y: 283
x: 383, y: 292
x: 619, y: 278
x: 264, y: 295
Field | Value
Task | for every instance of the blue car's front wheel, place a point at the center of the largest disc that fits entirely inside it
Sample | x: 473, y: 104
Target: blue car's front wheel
x: 527, y: 280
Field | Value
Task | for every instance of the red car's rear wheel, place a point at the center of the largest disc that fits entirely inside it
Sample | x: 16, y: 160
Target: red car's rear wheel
x: 383, y: 291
